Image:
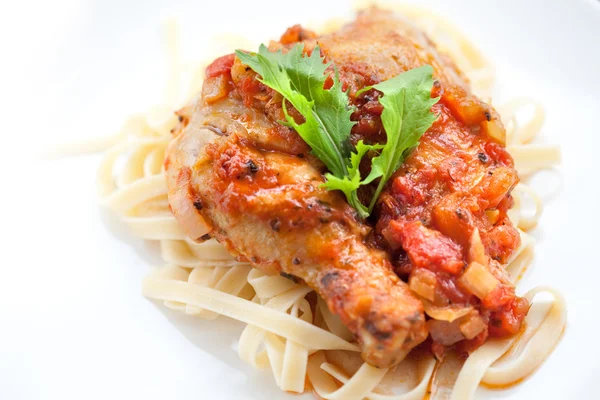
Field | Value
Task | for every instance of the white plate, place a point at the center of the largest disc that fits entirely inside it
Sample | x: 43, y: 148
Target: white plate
x: 73, y: 322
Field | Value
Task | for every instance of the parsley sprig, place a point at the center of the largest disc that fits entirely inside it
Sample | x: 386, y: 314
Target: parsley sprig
x: 300, y: 79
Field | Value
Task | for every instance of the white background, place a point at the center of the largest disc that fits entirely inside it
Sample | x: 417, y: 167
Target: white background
x: 73, y: 324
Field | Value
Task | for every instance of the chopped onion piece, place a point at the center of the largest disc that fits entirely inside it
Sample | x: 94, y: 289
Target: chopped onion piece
x: 446, y: 313
x: 472, y: 325
x: 492, y: 216
x: 495, y: 130
x: 445, y: 333
x: 423, y: 283
x: 478, y: 280
x: 476, y: 249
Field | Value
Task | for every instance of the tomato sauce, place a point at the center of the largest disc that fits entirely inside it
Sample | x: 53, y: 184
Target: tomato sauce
x: 457, y: 181
x: 447, y: 188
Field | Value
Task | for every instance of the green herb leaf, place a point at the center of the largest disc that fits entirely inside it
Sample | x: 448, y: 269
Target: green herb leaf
x: 300, y: 80
x: 406, y: 116
x: 350, y: 183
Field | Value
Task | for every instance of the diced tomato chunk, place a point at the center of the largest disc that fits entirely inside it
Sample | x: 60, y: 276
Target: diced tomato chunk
x: 499, y: 152
x: 295, y: 34
x: 508, y: 321
x: 221, y: 66
x: 498, y: 297
x: 250, y: 87
x: 407, y: 191
x: 425, y: 247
